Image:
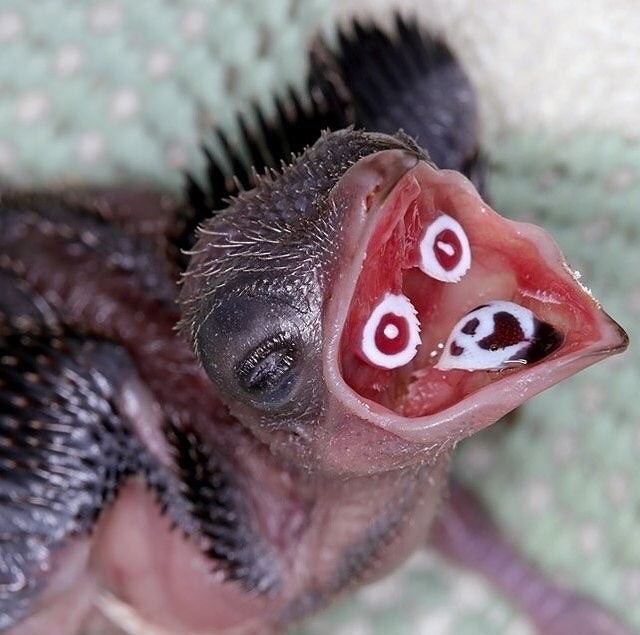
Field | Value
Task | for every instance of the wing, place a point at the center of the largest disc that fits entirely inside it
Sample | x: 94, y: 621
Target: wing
x: 407, y: 79
x: 65, y: 448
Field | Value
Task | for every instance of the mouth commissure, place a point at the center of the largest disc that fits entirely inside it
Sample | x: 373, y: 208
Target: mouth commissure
x: 391, y: 335
x: 496, y: 336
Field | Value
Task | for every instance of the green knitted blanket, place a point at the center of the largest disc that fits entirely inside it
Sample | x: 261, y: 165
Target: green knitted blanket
x: 99, y: 92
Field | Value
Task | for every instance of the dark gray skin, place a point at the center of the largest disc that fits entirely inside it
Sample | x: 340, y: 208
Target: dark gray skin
x: 230, y: 479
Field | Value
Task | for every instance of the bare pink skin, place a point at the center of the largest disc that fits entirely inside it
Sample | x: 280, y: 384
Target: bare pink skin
x: 378, y: 474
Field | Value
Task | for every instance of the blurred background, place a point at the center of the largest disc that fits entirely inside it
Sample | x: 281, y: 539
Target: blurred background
x: 116, y: 91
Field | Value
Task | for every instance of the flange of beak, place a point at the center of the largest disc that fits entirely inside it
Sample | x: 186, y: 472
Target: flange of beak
x: 496, y: 336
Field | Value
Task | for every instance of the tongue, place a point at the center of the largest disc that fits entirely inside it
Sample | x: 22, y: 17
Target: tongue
x: 497, y: 336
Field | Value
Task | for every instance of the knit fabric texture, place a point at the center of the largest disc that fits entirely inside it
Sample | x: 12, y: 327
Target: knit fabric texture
x: 114, y: 91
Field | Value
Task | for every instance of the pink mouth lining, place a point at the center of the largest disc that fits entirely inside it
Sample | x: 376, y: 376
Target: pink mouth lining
x: 510, y: 262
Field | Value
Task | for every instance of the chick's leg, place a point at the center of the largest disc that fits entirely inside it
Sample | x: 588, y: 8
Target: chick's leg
x: 466, y: 534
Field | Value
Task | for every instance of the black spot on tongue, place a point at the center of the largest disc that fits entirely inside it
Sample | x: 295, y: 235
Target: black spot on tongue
x: 455, y: 349
x: 545, y: 340
x: 470, y: 327
x: 506, y: 332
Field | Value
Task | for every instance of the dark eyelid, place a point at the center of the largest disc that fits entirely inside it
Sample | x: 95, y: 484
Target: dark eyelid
x: 260, y: 352
x: 264, y: 381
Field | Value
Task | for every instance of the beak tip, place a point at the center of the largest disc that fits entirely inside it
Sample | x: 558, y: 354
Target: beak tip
x: 618, y: 340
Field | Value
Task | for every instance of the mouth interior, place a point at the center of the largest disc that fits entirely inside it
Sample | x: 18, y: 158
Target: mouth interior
x: 473, y: 322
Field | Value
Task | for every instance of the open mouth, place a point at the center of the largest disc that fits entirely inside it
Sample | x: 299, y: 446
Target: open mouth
x: 449, y: 298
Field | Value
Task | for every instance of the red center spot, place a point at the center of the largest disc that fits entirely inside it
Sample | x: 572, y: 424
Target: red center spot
x: 392, y: 334
x: 447, y: 249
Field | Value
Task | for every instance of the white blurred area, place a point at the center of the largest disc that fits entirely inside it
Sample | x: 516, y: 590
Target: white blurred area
x: 561, y: 65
